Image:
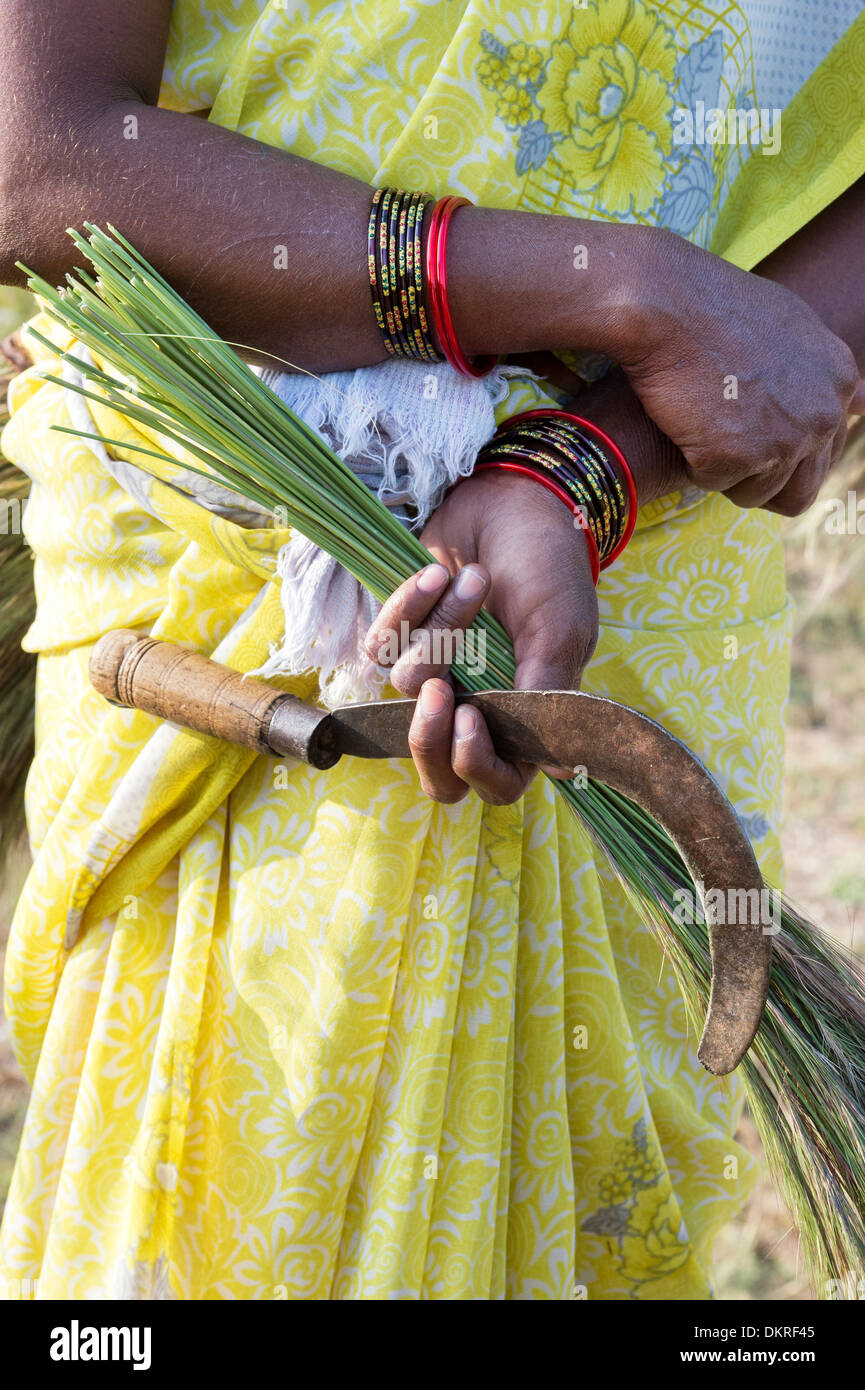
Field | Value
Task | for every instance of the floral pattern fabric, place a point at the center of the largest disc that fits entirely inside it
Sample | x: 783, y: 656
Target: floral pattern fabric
x: 320, y: 1037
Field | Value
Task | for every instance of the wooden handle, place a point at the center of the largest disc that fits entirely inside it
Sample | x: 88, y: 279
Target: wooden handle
x: 190, y: 689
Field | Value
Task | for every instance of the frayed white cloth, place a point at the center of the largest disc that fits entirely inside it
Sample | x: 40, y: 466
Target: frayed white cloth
x: 327, y: 616
x: 409, y: 431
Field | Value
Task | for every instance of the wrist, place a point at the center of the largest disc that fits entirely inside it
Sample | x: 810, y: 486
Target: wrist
x: 524, y: 282
x: 503, y: 492
x: 658, y: 467
x: 642, y: 299
x: 574, y: 458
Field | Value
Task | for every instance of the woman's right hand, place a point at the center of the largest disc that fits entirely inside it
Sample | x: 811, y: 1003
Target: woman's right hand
x: 740, y: 374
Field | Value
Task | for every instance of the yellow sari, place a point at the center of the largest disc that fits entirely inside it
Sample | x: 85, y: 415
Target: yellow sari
x: 320, y: 1037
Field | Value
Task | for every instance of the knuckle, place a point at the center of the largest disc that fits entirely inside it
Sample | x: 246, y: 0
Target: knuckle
x: 453, y: 613
x: 827, y: 418
x: 446, y: 796
x: 779, y: 452
x: 408, y: 677
x: 848, y: 370
x: 476, y: 773
x: 493, y: 797
x: 373, y: 648
x: 837, y: 446
x: 783, y: 509
x: 809, y: 497
x: 796, y: 498
x: 468, y: 761
x: 425, y: 743
x: 473, y: 764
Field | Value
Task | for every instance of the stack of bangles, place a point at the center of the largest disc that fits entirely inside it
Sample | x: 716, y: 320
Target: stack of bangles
x: 579, y: 463
x: 407, y: 250
x: 406, y: 278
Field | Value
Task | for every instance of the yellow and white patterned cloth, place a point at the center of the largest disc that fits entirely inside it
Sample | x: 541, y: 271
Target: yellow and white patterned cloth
x: 320, y: 1037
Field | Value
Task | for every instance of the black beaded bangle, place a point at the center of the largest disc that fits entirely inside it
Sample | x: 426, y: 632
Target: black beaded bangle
x: 578, y: 459
x: 395, y: 257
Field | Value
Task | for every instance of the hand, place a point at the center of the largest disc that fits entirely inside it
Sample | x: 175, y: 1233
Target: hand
x: 741, y: 375
x: 657, y: 465
x: 513, y: 548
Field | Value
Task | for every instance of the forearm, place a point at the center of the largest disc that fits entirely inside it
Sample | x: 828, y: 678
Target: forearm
x: 272, y: 249
x: 268, y: 248
x: 824, y: 264
x: 657, y: 465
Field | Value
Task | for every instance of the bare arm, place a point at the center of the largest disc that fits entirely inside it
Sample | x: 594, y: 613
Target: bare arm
x: 824, y: 264
x: 210, y: 208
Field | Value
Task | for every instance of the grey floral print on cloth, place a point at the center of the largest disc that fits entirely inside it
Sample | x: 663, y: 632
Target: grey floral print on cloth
x: 596, y: 109
x: 639, y: 1215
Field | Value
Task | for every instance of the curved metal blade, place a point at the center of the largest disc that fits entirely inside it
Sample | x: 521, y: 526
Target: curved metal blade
x: 634, y: 755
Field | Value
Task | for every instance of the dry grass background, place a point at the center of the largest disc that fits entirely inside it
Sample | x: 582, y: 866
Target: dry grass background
x: 824, y: 836
x: 824, y: 820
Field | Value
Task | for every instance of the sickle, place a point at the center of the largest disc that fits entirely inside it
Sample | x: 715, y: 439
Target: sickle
x: 615, y: 744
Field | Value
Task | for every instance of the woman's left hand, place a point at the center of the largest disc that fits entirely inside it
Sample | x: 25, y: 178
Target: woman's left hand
x: 507, y: 544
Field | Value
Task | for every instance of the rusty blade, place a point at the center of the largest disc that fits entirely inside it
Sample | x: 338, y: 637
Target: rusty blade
x: 634, y: 755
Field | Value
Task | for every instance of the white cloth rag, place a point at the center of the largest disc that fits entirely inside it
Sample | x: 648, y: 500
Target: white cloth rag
x: 409, y: 431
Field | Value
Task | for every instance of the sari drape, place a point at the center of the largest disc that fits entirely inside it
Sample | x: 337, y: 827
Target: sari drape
x: 320, y: 1037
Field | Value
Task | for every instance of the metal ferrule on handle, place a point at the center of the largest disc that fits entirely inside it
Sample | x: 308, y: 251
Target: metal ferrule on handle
x: 187, y: 688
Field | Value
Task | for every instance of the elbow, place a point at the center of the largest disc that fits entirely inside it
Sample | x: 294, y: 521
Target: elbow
x: 52, y: 163
x: 43, y: 177
x: 20, y: 169
x: 51, y: 167
x: 11, y: 241
x: 25, y: 199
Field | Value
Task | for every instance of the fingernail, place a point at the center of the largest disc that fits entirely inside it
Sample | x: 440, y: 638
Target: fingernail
x: 469, y: 584
x: 432, y: 701
x: 432, y: 578
x: 465, y: 721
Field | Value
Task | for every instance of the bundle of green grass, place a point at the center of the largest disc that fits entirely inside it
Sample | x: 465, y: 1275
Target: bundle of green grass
x: 805, y: 1073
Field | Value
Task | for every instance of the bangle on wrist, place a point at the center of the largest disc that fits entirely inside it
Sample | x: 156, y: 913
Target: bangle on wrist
x: 406, y: 275
x: 437, y: 284
x: 581, y: 464
x: 547, y: 481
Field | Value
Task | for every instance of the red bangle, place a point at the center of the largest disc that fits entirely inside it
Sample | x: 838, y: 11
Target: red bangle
x: 620, y: 460
x: 552, y: 486
x: 437, y: 287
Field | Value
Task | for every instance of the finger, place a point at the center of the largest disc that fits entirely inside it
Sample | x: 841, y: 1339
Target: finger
x: 796, y: 496
x: 475, y: 761
x: 801, y: 492
x: 857, y: 404
x: 404, y: 610
x: 839, y: 444
x: 433, y: 647
x: 429, y: 739
x: 759, y: 488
